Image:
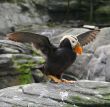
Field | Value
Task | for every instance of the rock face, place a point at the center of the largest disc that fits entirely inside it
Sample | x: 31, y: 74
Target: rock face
x: 93, y: 64
x: 16, y: 61
x: 79, y: 94
x: 20, y: 13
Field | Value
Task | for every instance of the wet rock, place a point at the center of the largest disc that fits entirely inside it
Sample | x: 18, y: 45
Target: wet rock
x: 79, y: 94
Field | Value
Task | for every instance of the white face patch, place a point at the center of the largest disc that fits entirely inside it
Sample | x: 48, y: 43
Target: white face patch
x: 73, y: 40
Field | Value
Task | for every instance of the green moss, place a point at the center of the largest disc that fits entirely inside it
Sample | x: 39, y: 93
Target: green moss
x: 90, y: 101
x: 25, y: 79
x: 25, y: 71
x: 84, y: 100
x: 24, y: 65
x: 106, y: 97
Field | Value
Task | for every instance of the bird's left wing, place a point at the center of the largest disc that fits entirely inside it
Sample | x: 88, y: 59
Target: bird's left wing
x: 87, y: 37
x: 39, y: 41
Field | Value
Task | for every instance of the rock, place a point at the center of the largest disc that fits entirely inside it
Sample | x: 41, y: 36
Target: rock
x: 93, y: 64
x: 7, y: 46
x: 16, y: 61
x: 9, y: 75
x: 27, y: 12
x: 98, y: 67
x: 20, y: 13
x: 16, y: 69
x: 42, y: 29
x: 79, y: 94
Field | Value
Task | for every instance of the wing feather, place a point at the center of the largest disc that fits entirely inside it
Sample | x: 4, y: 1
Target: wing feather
x: 87, y: 37
x: 39, y: 41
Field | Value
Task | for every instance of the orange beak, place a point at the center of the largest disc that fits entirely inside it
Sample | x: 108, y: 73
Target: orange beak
x: 78, y: 49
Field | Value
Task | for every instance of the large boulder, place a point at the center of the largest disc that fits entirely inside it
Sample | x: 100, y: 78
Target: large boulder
x: 79, y: 94
x: 98, y: 67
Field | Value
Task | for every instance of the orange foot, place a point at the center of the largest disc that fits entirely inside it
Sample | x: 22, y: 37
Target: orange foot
x: 56, y: 80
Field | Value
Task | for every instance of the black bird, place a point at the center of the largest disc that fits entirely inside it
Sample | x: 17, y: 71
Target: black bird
x: 58, y: 59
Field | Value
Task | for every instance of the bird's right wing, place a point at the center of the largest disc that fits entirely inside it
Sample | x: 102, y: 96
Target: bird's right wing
x: 87, y: 37
x: 39, y: 41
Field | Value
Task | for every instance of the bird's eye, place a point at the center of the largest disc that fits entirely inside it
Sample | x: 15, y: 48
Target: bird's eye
x: 73, y: 41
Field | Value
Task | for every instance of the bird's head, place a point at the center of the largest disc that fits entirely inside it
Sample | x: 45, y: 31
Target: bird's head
x: 74, y: 43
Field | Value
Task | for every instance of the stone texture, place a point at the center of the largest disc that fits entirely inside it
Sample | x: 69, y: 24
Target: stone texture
x: 16, y: 61
x: 12, y: 14
x: 79, y: 94
x: 98, y: 66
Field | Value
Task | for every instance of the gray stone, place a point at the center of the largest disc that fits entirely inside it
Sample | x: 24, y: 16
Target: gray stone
x: 20, y: 13
x: 16, y: 62
x: 79, y: 94
x: 98, y: 66
x: 8, y: 46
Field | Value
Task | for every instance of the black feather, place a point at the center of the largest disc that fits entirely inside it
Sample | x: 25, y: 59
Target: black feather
x: 39, y: 41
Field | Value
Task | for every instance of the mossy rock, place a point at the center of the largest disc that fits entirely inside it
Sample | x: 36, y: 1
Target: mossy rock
x: 24, y: 64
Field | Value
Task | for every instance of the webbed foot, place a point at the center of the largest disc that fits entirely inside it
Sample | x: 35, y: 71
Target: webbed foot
x: 56, y: 80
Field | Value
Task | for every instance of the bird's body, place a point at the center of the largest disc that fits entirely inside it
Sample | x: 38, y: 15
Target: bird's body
x: 58, y: 59
x: 57, y: 63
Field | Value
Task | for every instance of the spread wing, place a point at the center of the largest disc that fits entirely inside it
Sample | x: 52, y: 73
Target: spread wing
x: 39, y: 41
x: 87, y: 37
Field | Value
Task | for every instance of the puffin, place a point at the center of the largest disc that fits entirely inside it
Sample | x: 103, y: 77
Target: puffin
x: 57, y: 58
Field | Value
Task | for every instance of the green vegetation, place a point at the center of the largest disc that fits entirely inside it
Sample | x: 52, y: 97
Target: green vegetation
x: 24, y: 69
x: 23, y: 65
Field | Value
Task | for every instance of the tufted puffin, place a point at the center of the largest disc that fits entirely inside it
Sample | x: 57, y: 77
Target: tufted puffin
x: 58, y: 59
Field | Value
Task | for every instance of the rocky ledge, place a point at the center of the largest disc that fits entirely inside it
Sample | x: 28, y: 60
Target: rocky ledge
x: 82, y: 93
x: 17, y: 60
